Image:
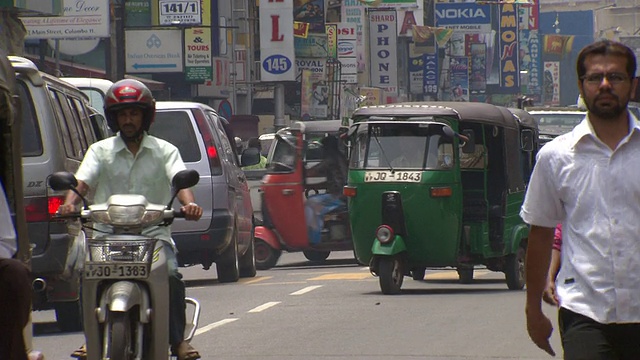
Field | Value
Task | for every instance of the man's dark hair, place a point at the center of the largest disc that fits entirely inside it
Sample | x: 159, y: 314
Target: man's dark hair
x: 610, y: 48
x: 254, y: 143
x: 330, y: 144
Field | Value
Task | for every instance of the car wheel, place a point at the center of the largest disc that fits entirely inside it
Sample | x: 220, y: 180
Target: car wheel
x: 227, y: 262
x: 391, y: 274
x: 313, y: 255
x: 465, y: 274
x: 514, y: 269
x: 69, y: 316
x: 247, y: 261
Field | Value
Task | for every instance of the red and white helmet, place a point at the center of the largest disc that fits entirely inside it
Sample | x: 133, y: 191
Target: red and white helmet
x: 126, y: 93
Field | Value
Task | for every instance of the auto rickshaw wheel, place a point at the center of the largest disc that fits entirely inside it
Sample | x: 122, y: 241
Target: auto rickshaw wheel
x: 418, y: 273
x: 514, y: 269
x: 266, y: 256
x: 465, y: 274
x: 391, y: 274
x: 314, y: 255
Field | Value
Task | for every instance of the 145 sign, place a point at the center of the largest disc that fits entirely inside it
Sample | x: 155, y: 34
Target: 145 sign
x: 174, y: 12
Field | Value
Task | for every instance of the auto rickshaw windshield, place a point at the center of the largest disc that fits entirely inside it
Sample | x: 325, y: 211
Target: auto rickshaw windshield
x: 402, y: 145
x: 282, y: 156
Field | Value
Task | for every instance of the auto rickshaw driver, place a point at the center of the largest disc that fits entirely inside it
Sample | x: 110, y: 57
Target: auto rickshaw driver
x: 334, y: 168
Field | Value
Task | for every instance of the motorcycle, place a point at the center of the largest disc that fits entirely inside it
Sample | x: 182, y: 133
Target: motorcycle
x: 125, y: 292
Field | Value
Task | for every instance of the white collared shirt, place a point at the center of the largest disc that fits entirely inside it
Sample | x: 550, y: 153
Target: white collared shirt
x: 110, y: 168
x: 8, y: 241
x: 595, y: 193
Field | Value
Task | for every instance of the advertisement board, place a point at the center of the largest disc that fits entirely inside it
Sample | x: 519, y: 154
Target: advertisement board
x: 463, y: 17
x: 383, y: 50
x: 197, y: 54
x: 153, y: 51
x: 277, y: 54
x: 80, y: 19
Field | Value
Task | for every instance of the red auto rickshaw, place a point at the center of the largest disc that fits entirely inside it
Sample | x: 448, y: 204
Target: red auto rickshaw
x: 285, y: 188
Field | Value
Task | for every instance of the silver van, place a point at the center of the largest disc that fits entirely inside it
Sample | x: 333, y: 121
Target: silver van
x: 56, y: 133
x: 224, y: 234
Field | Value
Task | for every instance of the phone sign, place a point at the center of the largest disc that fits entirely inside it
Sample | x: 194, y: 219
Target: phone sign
x: 276, y: 64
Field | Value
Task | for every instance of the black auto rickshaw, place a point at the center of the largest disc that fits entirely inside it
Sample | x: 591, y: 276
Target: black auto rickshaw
x: 439, y: 185
x: 11, y: 171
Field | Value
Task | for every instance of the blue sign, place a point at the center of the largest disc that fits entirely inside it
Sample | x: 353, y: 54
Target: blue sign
x: 430, y: 74
x: 462, y: 14
x: 276, y: 64
x: 224, y: 109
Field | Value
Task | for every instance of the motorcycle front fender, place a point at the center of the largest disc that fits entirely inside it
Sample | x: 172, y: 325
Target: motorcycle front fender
x: 121, y: 296
x: 395, y: 246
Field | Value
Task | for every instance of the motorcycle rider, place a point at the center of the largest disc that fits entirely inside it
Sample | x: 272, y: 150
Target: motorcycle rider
x: 133, y: 162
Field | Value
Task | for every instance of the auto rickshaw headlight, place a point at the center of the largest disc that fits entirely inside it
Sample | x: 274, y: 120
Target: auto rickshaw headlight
x: 384, y: 234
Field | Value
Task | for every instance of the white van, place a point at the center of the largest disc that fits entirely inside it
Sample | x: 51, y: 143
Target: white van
x: 95, y: 89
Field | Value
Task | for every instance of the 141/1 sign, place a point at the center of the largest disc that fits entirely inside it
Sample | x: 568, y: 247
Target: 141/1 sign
x: 180, y: 11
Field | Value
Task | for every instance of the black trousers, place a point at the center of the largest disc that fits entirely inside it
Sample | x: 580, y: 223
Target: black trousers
x: 15, y: 308
x: 585, y: 339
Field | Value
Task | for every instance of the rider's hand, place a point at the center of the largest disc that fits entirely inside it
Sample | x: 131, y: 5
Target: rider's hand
x: 540, y: 329
x: 192, y: 211
x: 549, y: 295
x: 65, y: 209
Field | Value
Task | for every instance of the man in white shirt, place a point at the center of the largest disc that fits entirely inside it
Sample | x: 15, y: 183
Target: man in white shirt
x: 133, y: 162
x: 15, y: 290
x: 586, y: 180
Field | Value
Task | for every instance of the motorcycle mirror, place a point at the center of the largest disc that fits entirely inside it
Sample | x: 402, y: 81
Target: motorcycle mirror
x: 62, y: 180
x: 182, y: 180
x: 185, y: 179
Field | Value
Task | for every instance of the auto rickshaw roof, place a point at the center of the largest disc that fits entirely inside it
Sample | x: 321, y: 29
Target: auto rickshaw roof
x: 525, y: 119
x: 316, y: 126
x: 465, y: 111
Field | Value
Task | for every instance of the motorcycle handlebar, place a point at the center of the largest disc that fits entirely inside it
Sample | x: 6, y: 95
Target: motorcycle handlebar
x: 73, y: 215
x: 178, y: 214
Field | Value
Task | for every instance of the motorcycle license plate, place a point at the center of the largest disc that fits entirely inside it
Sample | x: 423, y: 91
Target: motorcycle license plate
x: 116, y: 271
x: 392, y: 176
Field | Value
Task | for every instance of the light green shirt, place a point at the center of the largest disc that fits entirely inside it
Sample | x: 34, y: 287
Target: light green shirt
x: 261, y: 165
x: 110, y: 168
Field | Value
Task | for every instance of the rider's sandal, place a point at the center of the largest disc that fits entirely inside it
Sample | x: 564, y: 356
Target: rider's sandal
x: 186, y: 352
x: 81, y: 353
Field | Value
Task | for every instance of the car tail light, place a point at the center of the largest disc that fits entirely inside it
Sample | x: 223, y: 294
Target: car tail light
x: 209, y: 143
x: 42, y: 208
x: 441, y: 191
x: 384, y: 234
x: 349, y: 191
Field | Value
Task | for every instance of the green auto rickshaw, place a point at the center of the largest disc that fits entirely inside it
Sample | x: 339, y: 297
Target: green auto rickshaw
x: 439, y: 185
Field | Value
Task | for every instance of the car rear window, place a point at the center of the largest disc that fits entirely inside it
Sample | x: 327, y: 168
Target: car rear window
x: 31, y: 140
x: 175, y: 127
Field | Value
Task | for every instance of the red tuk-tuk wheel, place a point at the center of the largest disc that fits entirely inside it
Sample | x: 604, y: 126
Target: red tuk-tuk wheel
x: 266, y: 256
x: 418, y: 273
x: 314, y: 255
x: 465, y: 274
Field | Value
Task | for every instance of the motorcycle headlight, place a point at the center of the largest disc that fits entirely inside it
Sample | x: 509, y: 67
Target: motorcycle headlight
x: 125, y: 215
x: 384, y: 234
x: 129, y: 251
x: 151, y: 216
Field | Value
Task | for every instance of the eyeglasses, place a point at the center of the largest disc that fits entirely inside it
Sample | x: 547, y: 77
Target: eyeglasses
x: 612, y: 78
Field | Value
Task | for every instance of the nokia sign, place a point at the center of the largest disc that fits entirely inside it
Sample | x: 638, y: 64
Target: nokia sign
x: 462, y: 13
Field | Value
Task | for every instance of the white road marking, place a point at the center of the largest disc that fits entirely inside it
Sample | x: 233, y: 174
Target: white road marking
x: 306, y: 290
x: 214, y: 325
x: 264, y: 306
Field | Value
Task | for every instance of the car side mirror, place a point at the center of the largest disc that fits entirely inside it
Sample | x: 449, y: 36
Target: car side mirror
x: 62, y: 180
x: 250, y: 156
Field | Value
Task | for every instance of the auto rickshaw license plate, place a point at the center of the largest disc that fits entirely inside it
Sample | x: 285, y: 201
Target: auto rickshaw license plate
x: 392, y: 176
x: 116, y: 271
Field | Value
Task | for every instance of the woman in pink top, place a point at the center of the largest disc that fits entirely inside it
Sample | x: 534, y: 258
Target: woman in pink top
x: 549, y: 295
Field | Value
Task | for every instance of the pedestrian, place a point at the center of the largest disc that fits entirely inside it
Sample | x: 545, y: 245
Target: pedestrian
x: 134, y: 162
x: 585, y: 179
x: 550, y: 295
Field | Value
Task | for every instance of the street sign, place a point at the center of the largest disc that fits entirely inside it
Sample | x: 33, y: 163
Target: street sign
x: 153, y: 51
x: 180, y: 12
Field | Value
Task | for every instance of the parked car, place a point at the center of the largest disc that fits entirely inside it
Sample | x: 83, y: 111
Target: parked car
x: 554, y: 121
x: 95, y: 88
x: 56, y: 133
x: 224, y: 234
